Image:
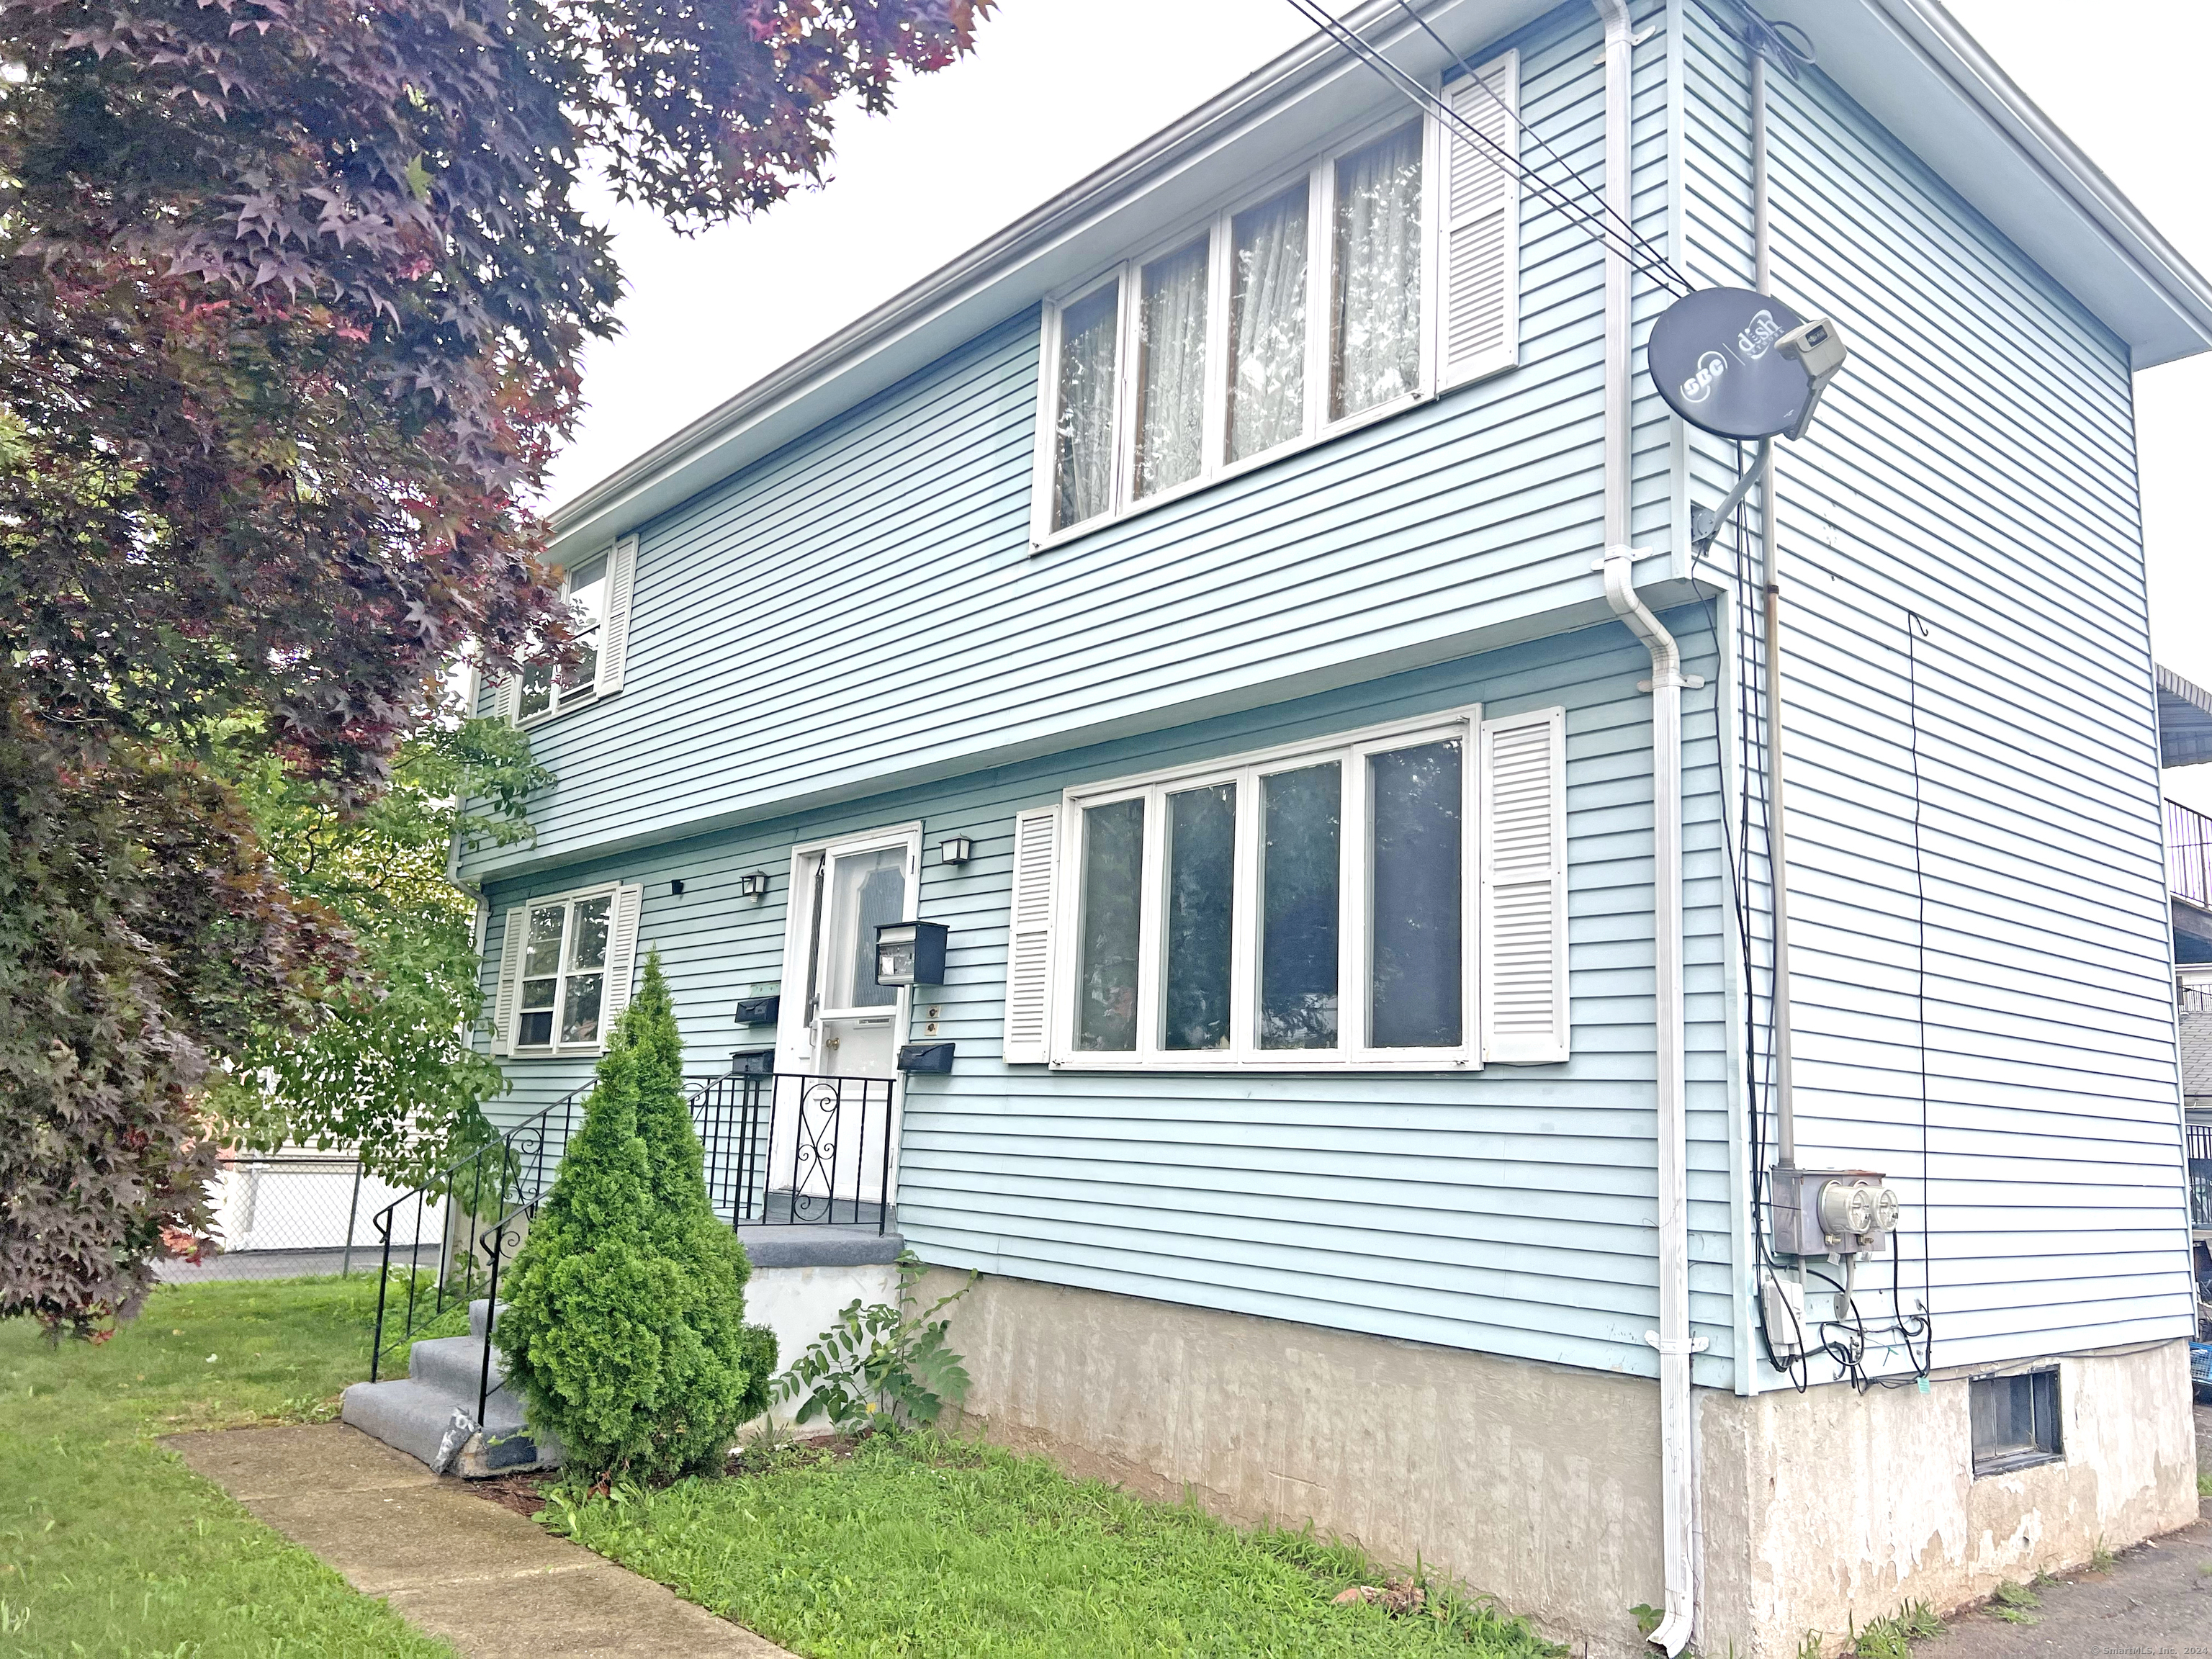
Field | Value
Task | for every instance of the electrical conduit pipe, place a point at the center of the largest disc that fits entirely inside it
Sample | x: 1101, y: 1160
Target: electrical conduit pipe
x: 1673, y: 1340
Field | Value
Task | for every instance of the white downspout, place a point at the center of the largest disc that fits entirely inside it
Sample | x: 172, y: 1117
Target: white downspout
x: 1677, y: 1460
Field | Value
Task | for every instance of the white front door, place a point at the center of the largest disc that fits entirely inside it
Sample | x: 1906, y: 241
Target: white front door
x: 853, y: 888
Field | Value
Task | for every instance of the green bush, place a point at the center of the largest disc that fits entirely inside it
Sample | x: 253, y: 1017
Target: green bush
x: 623, y: 1326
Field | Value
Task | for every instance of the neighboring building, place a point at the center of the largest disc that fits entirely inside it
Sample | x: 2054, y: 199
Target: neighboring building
x: 1360, y: 1103
x: 2184, y: 733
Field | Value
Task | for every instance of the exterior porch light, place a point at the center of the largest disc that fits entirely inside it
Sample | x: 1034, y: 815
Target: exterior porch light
x: 956, y: 849
x: 910, y: 953
x: 753, y: 885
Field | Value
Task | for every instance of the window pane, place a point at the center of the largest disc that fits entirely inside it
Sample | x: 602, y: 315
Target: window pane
x: 537, y: 689
x: 541, y: 953
x: 1106, y: 948
x: 537, y: 1029
x: 1268, y: 323
x: 1171, y: 370
x: 589, y: 947
x: 581, y: 1022
x: 539, y: 992
x: 1083, y: 434
x: 1201, y: 879
x: 1298, y: 879
x: 587, y: 593
x: 865, y: 891
x: 1376, y: 331
x: 585, y: 676
x: 1414, y: 896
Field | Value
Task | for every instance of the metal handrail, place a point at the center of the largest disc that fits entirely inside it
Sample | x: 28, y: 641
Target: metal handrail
x: 828, y: 1139
x: 2189, y: 854
x: 505, y: 1177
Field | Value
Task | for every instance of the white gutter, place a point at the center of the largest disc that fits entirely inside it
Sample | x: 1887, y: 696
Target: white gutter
x: 1677, y: 1450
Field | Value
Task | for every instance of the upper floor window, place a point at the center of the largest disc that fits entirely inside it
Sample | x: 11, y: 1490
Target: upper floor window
x: 1392, y: 898
x: 1383, y: 270
x: 597, y: 593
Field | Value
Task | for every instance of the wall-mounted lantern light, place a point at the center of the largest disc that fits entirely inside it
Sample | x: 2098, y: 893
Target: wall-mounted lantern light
x: 676, y: 889
x: 910, y: 953
x: 753, y: 885
x: 956, y: 849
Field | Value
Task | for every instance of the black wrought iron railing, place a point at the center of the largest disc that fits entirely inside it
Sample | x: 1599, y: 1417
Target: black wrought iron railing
x: 455, y: 1222
x: 2189, y: 854
x: 2200, y: 1175
x: 780, y: 1150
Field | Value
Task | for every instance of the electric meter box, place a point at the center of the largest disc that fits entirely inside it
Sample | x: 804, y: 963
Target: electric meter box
x: 1830, y: 1212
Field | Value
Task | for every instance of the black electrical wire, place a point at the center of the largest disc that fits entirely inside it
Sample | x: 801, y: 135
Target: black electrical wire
x: 1784, y: 45
x: 1422, y: 99
x: 1582, y: 185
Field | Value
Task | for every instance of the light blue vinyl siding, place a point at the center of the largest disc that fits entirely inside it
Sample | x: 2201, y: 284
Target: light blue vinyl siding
x: 1512, y: 1210
x: 1973, y: 466
x: 863, y: 607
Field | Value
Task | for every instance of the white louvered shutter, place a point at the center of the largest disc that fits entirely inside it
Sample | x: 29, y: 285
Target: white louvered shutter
x: 507, y: 700
x: 622, y: 956
x: 510, y: 974
x: 1524, y: 888
x: 614, y: 633
x: 1481, y: 251
x: 1028, y: 939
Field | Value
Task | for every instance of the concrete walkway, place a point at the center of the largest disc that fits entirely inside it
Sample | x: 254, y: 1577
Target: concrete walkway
x: 492, y: 1583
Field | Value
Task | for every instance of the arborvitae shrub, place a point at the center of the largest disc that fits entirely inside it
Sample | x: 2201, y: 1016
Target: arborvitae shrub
x: 623, y: 1326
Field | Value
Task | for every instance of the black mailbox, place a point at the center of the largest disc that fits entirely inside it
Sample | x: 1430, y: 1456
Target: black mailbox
x: 910, y: 953
x: 758, y: 1011
x: 753, y: 1062
x: 925, y: 1057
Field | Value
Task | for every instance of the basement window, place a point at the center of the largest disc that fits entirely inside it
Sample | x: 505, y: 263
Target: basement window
x: 2015, y: 1421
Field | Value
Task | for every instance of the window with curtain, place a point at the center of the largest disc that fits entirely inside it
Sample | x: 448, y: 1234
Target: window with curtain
x: 1375, y: 319
x: 1171, y: 370
x: 1084, y: 429
x: 1284, y: 316
x: 1266, y: 389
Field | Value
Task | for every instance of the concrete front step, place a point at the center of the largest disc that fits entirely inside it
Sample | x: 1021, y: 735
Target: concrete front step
x: 444, y: 1373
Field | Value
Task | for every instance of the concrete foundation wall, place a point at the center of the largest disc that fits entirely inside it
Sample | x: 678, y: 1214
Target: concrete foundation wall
x: 1826, y: 1510
x: 799, y: 1303
x: 1539, y: 1484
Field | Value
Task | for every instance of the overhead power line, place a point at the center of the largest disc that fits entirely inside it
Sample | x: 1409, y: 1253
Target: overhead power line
x: 1618, y: 238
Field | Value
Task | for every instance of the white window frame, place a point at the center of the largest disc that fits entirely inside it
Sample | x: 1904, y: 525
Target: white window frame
x: 1352, y: 1053
x: 611, y: 891
x: 560, y: 700
x: 1320, y: 174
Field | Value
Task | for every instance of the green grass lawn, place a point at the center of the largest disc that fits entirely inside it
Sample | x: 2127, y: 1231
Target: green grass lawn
x: 921, y: 1546
x: 110, y: 1546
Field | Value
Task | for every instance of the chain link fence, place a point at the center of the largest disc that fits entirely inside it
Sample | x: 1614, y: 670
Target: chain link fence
x: 294, y: 1213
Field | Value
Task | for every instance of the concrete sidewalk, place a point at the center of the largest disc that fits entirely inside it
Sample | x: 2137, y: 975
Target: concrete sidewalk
x: 494, y: 1583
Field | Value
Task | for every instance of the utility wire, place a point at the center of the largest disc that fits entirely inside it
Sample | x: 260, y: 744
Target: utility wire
x: 1608, y: 238
x: 1582, y: 186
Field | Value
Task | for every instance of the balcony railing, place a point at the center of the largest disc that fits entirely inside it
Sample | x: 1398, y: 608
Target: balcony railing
x: 2189, y: 854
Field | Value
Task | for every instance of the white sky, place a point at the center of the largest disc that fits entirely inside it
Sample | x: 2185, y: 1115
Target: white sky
x: 1057, y: 87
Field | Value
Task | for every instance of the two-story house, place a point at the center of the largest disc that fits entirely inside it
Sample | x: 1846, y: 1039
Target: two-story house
x: 1251, y: 605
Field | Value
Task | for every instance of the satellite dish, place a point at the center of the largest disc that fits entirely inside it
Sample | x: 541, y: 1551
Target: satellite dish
x: 1716, y: 356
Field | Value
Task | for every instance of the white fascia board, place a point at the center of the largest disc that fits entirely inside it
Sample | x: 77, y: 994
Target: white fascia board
x: 1915, y: 69
x: 1270, y: 120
